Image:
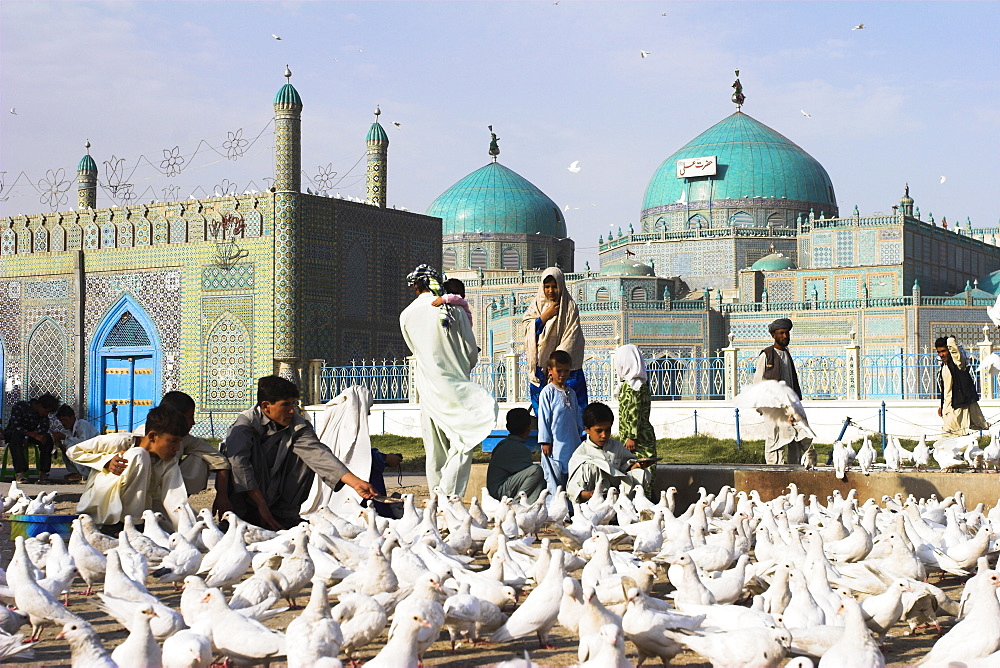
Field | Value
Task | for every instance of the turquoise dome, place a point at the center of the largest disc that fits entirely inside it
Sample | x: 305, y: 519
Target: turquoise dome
x: 497, y: 200
x: 377, y: 133
x: 288, y: 95
x: 990, y: 283
x: 773, y: 262
x: 625, y: 268
x: 753, y: 161
x: 87, y: 164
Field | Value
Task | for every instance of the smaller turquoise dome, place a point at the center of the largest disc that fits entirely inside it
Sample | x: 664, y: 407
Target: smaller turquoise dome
x: 288, y: 95
x: 377, y: 133
x: 990, y: 283
x: 773, y: 262
x: 497, y: 200
x: 87, y: 164
x: 626, y: 268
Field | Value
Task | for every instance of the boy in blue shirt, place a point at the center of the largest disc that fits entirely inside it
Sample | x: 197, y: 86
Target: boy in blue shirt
x: 560, y: 422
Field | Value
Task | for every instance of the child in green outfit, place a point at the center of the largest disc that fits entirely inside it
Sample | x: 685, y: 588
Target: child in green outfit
x: 634, y: 400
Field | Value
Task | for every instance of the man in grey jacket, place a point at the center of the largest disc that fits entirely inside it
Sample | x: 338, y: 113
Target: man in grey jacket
x: 274, y: 453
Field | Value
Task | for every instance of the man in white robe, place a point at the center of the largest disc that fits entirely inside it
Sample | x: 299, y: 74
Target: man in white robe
x: 132, y: 473
x: 456, y: 414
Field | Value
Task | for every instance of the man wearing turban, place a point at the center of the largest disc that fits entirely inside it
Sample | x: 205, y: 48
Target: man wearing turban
x: 456, y: 414
x: 959, y: 400
x: 775, y: 363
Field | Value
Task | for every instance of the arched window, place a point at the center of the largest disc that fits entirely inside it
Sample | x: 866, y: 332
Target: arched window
x: 46, y: 359
x: 603, y: 295
x: 477, y: 259
x: 449, y: 259
x: 741, y: 219
x: 579, y: 294
x: 561, y: 261
x: 539, y: 259
x: 510, y: 259
x: 775, y: 220
x: 227, y: 353
x: 639, y: 294
x: 697, y: 222
x: 660, y: 225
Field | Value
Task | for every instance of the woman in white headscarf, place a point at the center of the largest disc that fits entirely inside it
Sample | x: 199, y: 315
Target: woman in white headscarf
x: 343, y: 428
x: 634, y: 402
x: 552, y: 323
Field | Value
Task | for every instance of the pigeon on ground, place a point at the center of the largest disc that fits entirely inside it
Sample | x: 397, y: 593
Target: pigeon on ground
x: 140, y: 648
x: 314, y: 633
x: 187, y: 649
x: 41, y: 607
x: 238, y: 637
x: 89, y: 561
x: 85, y: 646
x: 361, y: 620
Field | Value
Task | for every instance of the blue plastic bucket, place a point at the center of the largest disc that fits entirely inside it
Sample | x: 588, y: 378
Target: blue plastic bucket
x: 497, y: 435
x: 30, y: 526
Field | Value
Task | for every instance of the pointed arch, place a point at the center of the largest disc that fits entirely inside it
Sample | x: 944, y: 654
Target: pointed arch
x: 126, y: 332
x: 227, y: 363
x: 46, y: 369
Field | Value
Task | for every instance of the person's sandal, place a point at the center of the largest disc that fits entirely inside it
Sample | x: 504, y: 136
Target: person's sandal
x: 43, y: 479
x: 74, y: 478
x: 20, y: 478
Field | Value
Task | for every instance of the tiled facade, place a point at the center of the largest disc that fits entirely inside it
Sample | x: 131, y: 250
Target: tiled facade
x: 221, y: 290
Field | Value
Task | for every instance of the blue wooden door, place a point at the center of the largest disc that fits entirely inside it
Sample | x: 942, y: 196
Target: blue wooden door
x: 117, y: 394
x: 142, y: 389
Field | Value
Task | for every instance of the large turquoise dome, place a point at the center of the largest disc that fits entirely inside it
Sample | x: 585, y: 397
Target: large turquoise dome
x: 990, y: 283
x: 497, y: 200
x: 754, y: 161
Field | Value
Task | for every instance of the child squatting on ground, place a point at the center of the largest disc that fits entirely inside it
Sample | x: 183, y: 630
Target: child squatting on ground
x: 603, y: 460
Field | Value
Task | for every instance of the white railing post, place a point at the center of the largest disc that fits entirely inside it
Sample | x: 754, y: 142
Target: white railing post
x: 514, y: 389
x: 411, y: 386
x: 985, y: 377
x: 853, y: 358
x: 731, y: 370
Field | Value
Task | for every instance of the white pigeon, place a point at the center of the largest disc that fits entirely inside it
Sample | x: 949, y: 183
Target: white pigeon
x: 361, y: 620
x: 297, y: 568
x: 140, y: 648
x: 461, y: 615
x: 187, y: 649
x: 978, y: 633
x: 778, y: 403
x: 275, y: 37
x: 860, y: 26
x: 608, y: 650
x: 238, y: 637
x: 143, y: 544
x: 867, y: 456
x: 644, y: 54
x: 856, y: 646
x: 232, y: 562
x: 85, y: 646
x: 760, y: 647
x: 59, y: 567
x: 41, y: 607
x: 400, y: 651
x: 314, y: 633
x: 644, y: 627
x: 841, y: 460
x: 101, y: 541
x: 89, y: 561
x: 152, y: 530
x: 921, y: 454
x: 575, y: 167
x: 892, y: 455
x: 803, y: 111
x: 184, y: 559
x: 539, y: 611
x: 994, y: 314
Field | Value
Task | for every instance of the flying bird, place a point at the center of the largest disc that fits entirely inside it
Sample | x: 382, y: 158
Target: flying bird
x: 13, y: 111
x: 860, y: 26
x: 807, y: 115
x: 566, y: 208
x: 574, y: 166
x: 397, y: 124
x: 275, y: 37
x: 663, y: 14
x: 943, y: 179
x: 643, y: 54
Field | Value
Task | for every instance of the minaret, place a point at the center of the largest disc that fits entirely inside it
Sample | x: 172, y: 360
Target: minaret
x: 287, y: 185
x: 378, y: 163
x: 906, y: 203
x: 86, y: 179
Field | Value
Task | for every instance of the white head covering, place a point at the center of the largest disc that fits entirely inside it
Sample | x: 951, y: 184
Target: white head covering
x: 630, y: 366
x: 561, y: 332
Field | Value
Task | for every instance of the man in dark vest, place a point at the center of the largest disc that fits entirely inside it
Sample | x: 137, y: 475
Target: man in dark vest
x: 775, y: 363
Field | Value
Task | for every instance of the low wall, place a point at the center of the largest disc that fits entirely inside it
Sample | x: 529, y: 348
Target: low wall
x: 676, y: 419
x: 772, y: 481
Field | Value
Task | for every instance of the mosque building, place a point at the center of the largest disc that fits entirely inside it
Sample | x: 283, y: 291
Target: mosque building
x: 111, y: 307
x: 737, y: 227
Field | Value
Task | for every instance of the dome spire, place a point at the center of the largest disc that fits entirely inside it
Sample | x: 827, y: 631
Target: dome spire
x: 288, y: 75
x: 738, y: 97
x: 494, y: 144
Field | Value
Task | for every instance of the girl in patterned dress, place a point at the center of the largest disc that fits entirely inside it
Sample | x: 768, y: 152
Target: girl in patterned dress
x: 634, y: 400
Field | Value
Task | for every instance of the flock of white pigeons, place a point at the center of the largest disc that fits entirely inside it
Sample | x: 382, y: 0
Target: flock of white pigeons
x: 753, y: 583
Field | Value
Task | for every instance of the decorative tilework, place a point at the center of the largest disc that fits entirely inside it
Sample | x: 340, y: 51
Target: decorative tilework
x: 41, y: 244
x: 8, y: 242
x: 780, y: 290
x: 815, y: 288
x: 822, y: 257
x: 54, y: 289
x: 891, y: 252
x: 46, y: 359
x: 884, y: 326
x: 227, y: 353
x: 91, y: 237
x: 598, y: 330
x: 847, y: 287
x: 867, y: 252
x: 238, y: 277
x: 845, y: 248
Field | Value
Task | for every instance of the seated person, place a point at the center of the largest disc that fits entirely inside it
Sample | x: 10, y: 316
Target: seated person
x: 198, y: 457
x: 380, y: 462
x: 132, y: 473
x: 511, y: 470
x: 74, y: 431
x: 602, y: 458
x: 29, y: 423
x: 274, y: 453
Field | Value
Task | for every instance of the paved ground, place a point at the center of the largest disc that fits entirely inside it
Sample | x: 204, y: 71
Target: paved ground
x: 902, y: 650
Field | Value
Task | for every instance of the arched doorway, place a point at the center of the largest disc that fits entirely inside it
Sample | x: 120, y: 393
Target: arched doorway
x: 124, y: 368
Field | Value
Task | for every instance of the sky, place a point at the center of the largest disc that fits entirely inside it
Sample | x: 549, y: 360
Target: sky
x: 911, y: 98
